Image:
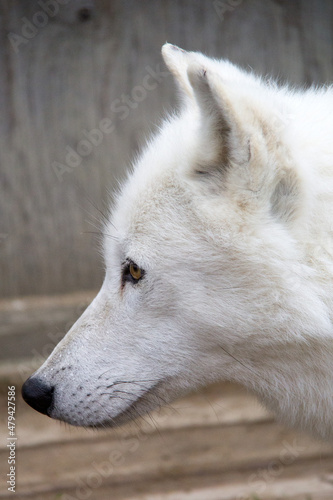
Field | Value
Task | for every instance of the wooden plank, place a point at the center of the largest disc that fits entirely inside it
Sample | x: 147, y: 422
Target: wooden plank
x: 217, y: 444
x: 220, y: 404
x: 307, y: 480
x: 61, y: 82
x: 175, y: 454
x: 30, y: 327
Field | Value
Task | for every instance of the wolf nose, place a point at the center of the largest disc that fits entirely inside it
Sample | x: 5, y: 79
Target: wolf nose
x: 37, y: 394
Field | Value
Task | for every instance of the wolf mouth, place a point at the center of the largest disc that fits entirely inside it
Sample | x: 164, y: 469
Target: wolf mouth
x: 147, y: 401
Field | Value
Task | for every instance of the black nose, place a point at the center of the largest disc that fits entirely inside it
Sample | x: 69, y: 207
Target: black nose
x: 37, y: 394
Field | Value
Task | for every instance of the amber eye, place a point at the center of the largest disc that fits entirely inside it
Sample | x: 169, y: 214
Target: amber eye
x: 132, y: 272
x: 135, y: 271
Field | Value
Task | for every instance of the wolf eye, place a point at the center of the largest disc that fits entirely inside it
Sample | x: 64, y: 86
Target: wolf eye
x: 135, y: 271
x: 132, y: 272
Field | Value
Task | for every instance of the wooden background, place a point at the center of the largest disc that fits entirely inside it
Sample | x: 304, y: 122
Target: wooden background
x: 58, y: 80
x: 63, y: 75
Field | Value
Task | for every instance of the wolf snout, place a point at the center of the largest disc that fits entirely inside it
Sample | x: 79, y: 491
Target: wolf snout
x: 37, y: 394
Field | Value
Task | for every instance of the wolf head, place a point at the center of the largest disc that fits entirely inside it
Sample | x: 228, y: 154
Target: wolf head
x: 205, y: 277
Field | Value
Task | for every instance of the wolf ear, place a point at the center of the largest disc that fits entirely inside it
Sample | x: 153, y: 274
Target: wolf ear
x: 177, y: 61
x: 241, y: 163
x: 235, y: 146
x: 220, y: 124
x: 220, y: 127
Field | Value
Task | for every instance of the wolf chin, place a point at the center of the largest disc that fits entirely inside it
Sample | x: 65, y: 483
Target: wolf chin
x: 219, y: 261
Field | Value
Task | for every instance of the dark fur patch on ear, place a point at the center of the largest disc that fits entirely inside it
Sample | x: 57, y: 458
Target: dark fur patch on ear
x: 284, y: 200
x: 214, y: 114
x: 211, y: 175
x: 223, y: 131
x: 210, y: 170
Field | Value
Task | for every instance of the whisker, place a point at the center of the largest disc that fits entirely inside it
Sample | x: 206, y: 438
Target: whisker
x: 92, y: 216
x: 98, y: 426
x: 134, y: 413
x: 102, y: 222
x: 117, y: 397
x: 142, y: 396
x: 155, y: 426
x: 100, y: 233
x: 248, y: 367
x: 116, y: 382
x: 93, y: 204
x: 100, y: 229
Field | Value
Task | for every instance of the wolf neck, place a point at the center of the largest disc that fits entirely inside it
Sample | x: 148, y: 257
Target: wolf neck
x: 297, y: 385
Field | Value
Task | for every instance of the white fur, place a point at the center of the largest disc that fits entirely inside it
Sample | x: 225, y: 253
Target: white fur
x: 228, y: 211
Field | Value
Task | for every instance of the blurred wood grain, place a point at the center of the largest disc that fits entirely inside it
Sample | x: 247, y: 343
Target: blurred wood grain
x: 64, y: 73
x: 218, y: 444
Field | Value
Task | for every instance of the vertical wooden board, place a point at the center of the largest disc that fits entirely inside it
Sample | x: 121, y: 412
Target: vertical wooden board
x: 57, y: 86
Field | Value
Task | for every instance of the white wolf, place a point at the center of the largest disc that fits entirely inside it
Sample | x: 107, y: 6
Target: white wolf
x: 219, y: 261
